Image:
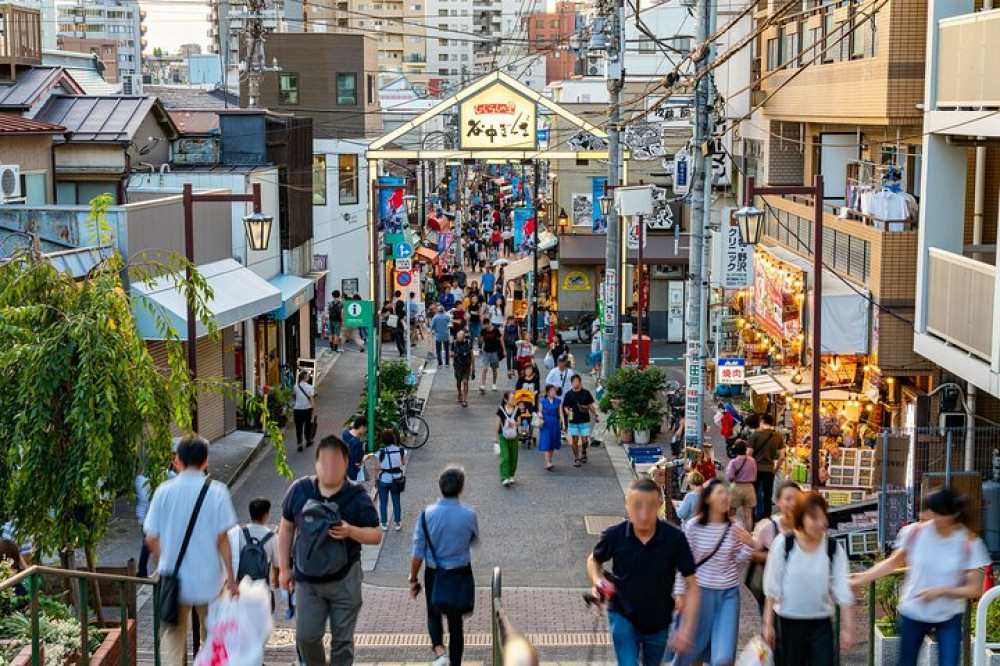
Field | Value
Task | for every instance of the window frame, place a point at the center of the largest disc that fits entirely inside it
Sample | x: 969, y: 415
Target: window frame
x: 288, y: 96
x: 319, y: 182
x: 352, y: 179
x: 354, y: 90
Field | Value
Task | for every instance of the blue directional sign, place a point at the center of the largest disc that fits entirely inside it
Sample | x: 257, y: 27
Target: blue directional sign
x: 404, y: 251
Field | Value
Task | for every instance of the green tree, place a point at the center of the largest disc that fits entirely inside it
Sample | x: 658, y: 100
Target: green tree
x: 84, y: 404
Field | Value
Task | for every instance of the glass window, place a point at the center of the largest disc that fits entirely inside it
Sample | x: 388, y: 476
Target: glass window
x: 371, y: 88
x: 319, y: 180
x: 347, y: 89
x: 347, y: 178
x: 288, y: 88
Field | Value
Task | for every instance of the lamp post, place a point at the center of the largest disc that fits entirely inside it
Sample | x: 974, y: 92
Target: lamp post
x: 563, y: 220
x: 258, y: 234
x: 609, y: 362
x: 750, y: 221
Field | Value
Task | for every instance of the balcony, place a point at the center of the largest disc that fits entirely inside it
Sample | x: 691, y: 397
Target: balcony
x: 968, y: 48
x: 20, y: 37
x: 966, y: 321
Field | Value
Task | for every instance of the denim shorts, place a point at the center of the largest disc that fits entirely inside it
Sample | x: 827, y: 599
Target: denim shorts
x: 578, y: 429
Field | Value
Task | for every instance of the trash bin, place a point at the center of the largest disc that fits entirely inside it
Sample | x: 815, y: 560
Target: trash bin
x: 640, y: 355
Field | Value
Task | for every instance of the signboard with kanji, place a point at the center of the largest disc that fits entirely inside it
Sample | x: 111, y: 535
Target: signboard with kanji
x: 498, y: 118
x: 731, y: 370
x: 737, y: 269
x: 610, y: 298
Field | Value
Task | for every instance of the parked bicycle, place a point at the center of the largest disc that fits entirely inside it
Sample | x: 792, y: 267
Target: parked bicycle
x: 584, y: 328
x: 413, y: 429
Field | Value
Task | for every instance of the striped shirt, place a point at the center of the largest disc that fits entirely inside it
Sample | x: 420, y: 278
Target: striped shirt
x: 722, y: 571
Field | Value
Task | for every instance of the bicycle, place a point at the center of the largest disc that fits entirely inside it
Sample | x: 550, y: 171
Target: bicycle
x: 413, y: 429
x: 584, y: 328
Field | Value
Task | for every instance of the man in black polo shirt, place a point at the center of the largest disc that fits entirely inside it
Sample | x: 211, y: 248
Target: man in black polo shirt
x: 648, y: 553
x: 334, y: 595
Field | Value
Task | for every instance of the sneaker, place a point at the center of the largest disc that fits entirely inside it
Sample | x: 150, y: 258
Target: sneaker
x: 441, y: 661
x: 300, y: 448
x: 494, y: 387
x: 506, y: 483
x: 482, y: 388
x: 398, y: 527
x: 385, y: 528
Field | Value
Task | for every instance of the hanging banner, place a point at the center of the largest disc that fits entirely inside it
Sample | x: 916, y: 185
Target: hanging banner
x: 524, y: 230
x: 497, y: 117
x: 597, y: 191
x: 391, y: 211
x: 737, y: 270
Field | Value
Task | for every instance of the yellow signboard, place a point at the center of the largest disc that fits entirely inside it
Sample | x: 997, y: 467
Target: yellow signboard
x: 498, y: 118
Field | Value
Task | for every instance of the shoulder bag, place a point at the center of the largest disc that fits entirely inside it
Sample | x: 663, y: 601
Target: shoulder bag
x: 715, y: 550
x: 398, y: 484
x: 755, y: 572
x: 169, y: 585
x: 454, y: 590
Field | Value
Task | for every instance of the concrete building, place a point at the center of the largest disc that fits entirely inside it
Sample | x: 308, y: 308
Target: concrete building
x: 450, y: 54
x: 116, y: 20
x: 105, y: 50
x: 548, y: 35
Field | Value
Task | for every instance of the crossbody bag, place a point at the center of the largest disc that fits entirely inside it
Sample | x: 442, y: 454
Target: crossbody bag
x: 715, y: 550
x: 755, y: 572
x: 168, y: 597
x: 454, y: 590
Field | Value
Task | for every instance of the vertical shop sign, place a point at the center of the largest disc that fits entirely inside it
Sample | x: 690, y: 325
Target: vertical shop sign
x: 693, y: 389
x: 737, y: 272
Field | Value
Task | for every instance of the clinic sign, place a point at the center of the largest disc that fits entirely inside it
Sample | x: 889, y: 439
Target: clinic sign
x: 498, y: 118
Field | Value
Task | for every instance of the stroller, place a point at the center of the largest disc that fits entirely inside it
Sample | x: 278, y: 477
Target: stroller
x: 525, y: 416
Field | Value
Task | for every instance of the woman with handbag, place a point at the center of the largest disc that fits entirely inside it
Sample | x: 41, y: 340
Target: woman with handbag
x: 506, y: 447
x: 391, y: 480
x: 305, y: 401
x: 720, y: 547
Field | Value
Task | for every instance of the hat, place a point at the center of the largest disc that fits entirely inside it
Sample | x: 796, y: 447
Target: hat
x: 562, y: 357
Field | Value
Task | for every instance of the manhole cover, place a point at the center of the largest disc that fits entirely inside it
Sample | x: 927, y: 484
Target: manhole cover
x: 597, y: 524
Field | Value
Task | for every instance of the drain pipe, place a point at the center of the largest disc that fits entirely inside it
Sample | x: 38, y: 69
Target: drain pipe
x: 970, y: 423
x: 979, y: 198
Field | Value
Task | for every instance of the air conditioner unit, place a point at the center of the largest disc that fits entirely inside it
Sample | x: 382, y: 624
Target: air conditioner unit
x: 10, y: 183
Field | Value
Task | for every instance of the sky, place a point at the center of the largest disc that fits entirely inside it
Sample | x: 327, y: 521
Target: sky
x: 170, y: 24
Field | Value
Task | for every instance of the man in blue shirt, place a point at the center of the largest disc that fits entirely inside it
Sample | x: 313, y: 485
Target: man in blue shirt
x: 489, y: 280
x: 440, y: 324
x: 447, y: 299
x: 355, y: 437
x: 443, y: 538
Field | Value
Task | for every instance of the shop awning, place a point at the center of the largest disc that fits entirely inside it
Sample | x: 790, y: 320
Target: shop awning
x: 845, y: 307
x: 523, y: 266
x: 238, y: 294
x: 295, y: 292
x: 589, y: 249
x: 769, y: 384
x: 426, y: 254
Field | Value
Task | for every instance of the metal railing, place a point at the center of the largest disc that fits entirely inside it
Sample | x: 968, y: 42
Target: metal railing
x: 32, y: 579
x: 510, y: 647
x: 960, y: 301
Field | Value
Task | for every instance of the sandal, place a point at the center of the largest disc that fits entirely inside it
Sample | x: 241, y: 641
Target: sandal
x: 577, y: 463
x: 549, y: 468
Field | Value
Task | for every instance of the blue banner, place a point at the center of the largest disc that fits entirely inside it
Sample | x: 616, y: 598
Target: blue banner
x: 597, y: 188
x: 524, y: 230
x: 391, y: 210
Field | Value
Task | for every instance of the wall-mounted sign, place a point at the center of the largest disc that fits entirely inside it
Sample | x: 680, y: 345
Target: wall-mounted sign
x: 576, y: 281
x: 738, y: 270
x: 682, y: 173
x: 498, y: 118
x: 731, y: 370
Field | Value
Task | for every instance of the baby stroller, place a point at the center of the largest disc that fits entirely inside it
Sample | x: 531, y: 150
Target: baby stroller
x: 525, y: 416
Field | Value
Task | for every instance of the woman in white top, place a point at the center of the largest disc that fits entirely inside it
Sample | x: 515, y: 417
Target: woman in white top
x: 944, y: 561
x: 391, y: 458
x: 806, y: 574
x: 304, y: 395
x: 719, y: 547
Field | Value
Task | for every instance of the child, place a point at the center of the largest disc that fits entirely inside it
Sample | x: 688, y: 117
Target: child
x: 523, y: 414
x: 261, y: 538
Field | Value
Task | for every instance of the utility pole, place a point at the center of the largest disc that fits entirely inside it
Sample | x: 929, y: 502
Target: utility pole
x: 701, y: 208
x: 258, y: 23
x: 615, y: 11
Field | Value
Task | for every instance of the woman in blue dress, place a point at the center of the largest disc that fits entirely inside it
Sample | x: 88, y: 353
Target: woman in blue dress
x: 549, y: 434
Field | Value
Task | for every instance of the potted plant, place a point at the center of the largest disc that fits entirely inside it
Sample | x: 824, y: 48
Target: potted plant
x: 887, y: 643
x: 279, y: 404
x: 644, y: 425
x: 630, y: 399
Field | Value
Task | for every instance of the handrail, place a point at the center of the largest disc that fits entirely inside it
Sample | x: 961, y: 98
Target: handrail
x: 510, y: 647
x: 74, y: 573
x: 496, y: 611
x: 979, y: 649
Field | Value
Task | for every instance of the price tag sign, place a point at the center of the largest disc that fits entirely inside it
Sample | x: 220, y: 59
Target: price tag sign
x: 404, y: 264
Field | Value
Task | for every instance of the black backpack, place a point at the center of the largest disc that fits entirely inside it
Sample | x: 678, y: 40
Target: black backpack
x: 336, y: 311
x: 253, y: 558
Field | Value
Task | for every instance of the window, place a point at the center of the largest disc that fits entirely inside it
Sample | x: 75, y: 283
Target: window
x: 319, y: 180
x: 347, y: 178
x: 790, y: 45
x: 288, y: 88
x: 444, y: 57
x: 370, y: 82
x: 347, y: 89
x: 773, y: 54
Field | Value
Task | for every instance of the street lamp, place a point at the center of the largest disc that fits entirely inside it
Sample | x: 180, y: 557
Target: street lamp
x: 750, y: 220
x: 563, y: 220
x: 749, y: 215
x: 258, y: 231
x: 606, y: 203
x: 410, y: 202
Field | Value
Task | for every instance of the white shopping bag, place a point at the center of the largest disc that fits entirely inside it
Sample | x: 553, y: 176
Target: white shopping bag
x: 238, y: 627
x: 756, y: 653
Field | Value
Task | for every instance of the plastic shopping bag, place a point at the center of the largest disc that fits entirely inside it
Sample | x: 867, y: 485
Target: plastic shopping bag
x: 756, y: 653
x: 238, y: 627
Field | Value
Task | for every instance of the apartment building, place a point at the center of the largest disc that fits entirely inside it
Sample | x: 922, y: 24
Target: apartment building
x: 116, y: 20
x: 105, y: 50
x: 548, y: 34
x: 450, y: 51
x: 957, y: 322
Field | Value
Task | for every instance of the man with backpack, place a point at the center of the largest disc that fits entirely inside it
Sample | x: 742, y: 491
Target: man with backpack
x: 325, y: 519
x: 336, y: 320
x: 254, y: 546
x: 765, y: 445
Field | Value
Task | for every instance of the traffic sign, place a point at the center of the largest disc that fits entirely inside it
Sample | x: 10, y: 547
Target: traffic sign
x: 404, y: 251
x: 403, y: 278
x: 404, y: 264
x: 358, y: 314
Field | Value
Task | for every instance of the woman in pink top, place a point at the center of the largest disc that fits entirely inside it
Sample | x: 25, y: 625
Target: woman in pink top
x: 742, y: 473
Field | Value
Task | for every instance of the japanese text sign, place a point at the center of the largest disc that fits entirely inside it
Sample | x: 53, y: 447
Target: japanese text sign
x: 737, y: 271
x: 498, y: 118
x: 731, y: 370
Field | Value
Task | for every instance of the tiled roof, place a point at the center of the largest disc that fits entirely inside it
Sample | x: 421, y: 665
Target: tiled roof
x: 29, y: 87
x: 102, y: 119
x: 190, y: 97
x: 11, y: 124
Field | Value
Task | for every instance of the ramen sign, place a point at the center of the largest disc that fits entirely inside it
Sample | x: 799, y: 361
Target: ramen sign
x: 497, y: 118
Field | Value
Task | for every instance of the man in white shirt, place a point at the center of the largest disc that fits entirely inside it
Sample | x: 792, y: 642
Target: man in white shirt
x: 207, y: 566
x: 260, y: 508
x: 561, y: 376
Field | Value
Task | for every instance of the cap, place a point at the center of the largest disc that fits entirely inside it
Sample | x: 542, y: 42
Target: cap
x: 563, y: 357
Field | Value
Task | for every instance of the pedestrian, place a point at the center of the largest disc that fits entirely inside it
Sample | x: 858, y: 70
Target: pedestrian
x: 508, y: 241
x: 356, y: 438
x: 324, y: 520
x: 525, y: 350
x: 719, y: 547
x: 441, y: 326
x: 399, y: 312
x: 553, y: 422
x: 335, y: 320
x: 304, y: 396
x: 443, y: 538
x: 561, y: 376
x: 742, y: 473
x: 944, y: 563
x: 498, y: 306
x: 647, y: 554
x: 689, y: 505
x: 806, y: 574
x: 391, y: 482
x: 474, y: 312
x: 506, y: 431
x: 528, y: 380
x: 764, y: 535
x: 511, y: 335
x: 557, y: 347
x: 458, y: 319
x: 465, y: 366
x: 492, y: 345
x: 489, y: 281
x: 705, y: 461
x: 191, y: 504
x: 446, y: 299
x: 255, y: 546
x: 579, y: 407
x: 496, y: 238
x: 765, y: 445
x: 413, y: 318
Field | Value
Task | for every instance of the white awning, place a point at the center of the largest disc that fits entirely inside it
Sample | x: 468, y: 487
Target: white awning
x: 523, y: 266
x: 768, y: 384
x: 238, y: 294
x: 295, y: 292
